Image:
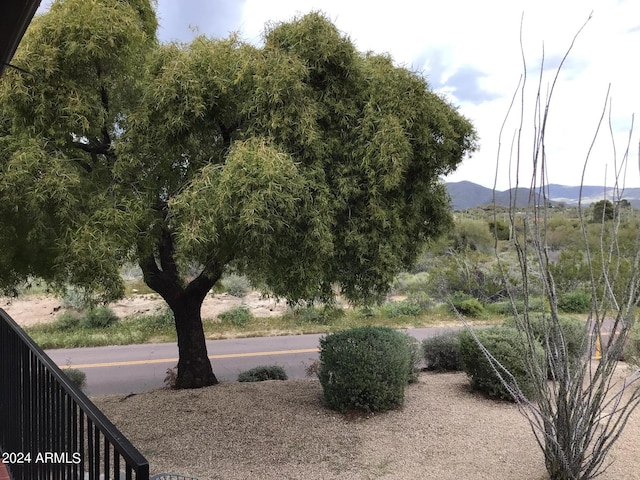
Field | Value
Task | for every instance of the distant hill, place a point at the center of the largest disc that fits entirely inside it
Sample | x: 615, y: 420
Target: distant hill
x: 465, y: 195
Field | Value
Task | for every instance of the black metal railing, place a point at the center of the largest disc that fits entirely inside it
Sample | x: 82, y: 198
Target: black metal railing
x: 49, y: 429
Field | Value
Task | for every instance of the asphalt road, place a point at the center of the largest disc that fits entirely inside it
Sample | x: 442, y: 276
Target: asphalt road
x: 138, y: 368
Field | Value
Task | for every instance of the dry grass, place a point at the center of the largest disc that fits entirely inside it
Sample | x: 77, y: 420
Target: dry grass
x: 280, y: 430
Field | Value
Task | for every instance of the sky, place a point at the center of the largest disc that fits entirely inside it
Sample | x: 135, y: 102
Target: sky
x: 470, y: 52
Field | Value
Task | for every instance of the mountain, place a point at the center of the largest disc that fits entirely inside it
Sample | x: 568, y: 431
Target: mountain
x: 465, y: 195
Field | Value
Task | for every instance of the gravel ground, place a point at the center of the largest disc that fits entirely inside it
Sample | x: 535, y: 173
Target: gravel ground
x: 280, y: 430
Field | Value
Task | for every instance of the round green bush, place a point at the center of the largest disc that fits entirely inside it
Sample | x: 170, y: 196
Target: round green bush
x: 468, y: 306
x: 262, y: 373
x: 415, y: 357
x: 575, y: 302
x: 67, y: 321
x: 99, y: 317
x: 365, y: 368
x: 509, y: 347
x: 442, y: 352
x: 237, y: 316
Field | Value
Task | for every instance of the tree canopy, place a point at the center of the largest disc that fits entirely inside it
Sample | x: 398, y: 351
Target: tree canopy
x: 302, y: 163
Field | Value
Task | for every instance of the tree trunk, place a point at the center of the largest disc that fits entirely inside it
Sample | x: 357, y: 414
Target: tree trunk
x: 194, y: 366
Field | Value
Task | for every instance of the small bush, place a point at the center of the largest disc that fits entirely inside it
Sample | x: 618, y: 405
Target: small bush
x: 99, y: 317
x: 67, y: 321
x: 468, y: 306
x: 77, y: 298
x: 318, y: 316
x: 262, y: 373
x: 237, y: 316
x: 237, y: 285
x: 415, y: 353
x: 365, y: 368
x: 161, y: 320
x: 504, y: 308
x: 575, y: 302
x: 78, y: 377
x: 573, y: 330
x: 509, y: 348
x: 402, y: 308
x: 442, y: 352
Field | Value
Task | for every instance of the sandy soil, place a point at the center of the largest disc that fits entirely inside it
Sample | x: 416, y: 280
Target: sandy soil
x: 280, y: 430
x: 30, y: 310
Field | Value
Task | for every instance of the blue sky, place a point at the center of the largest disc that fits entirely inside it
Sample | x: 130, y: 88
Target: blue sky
x: 470, y: 52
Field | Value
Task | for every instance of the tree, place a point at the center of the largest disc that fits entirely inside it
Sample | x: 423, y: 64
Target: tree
x: 603, y: 210
x: 302, y: 164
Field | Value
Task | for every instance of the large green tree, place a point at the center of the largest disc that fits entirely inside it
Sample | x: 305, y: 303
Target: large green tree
x: 303, y: 163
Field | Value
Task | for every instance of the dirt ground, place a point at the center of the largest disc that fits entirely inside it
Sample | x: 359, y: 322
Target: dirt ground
x: 33, y: 309
x: 280, y: 430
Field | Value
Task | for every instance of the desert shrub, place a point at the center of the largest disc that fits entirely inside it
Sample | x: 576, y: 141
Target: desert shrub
x: 77, y: 298
x: 313, y: 315
x: 575, y: 302
x: 471, y: 234
x: 536, y: 304
x: 159, y: 321
x: 99, y: 317
x: 262, y: 373
x: 442, y: 352
x: 468, y: 306
x: 236, y: 285
x: 78, y: 377
x: 415, y: 357
x: 509, y: 347
x: 406, y: 283
x: 67, y: 321
x: 573, y: 330
x: 238, y: 316
x: 500, y: 229
x: 403, y: 308
x: 364, y: 368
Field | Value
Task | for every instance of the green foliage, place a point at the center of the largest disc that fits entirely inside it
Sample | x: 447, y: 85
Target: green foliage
x: 442, y: 352
x: 78, y: 377
x: 603, y: 210
x: 570, y: 331
x: 364, y: 368
x: 238, y: 316
x: 99, y: 317
x: 534, y: 305
x: 574, y: 302
x: 500, y: 229
x: 468, y: 306
x: 68, y: 321
x: 237, y: 285
x: 471, y: 234
x: 509, y: 347
x: 262, y: 373
x: 77, y: 298
x: 401, y: 308
x: 313, y: 315
x: 472, y: 273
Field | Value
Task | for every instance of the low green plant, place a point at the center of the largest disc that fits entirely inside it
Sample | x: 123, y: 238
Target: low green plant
x: 67, y: 321
x: 78, y: 377
x: 99, y: 317
x: 509, y: 347
x: 536, y: 304
x: 631, y: 352
x: 76, y: 298
x: 403, y: 308
x: 575, y: 302
x: 365, y: 368
x: 442, y: 352
x: 238, y: 316
x: 313, y: 315
x: 262, y: 373
x: 468, y: 306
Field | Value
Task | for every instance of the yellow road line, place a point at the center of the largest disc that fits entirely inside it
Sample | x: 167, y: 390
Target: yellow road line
x: 175, y: 360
